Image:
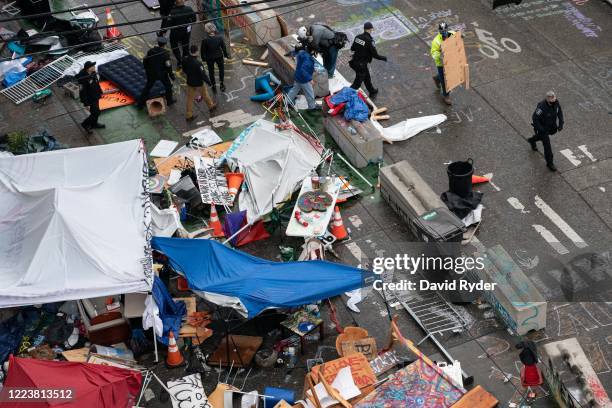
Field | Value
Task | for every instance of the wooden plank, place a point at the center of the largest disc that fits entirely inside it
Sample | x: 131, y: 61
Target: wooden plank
x: 477, y: 397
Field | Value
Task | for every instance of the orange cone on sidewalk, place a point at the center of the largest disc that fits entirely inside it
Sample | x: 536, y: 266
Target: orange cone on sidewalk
x: 215, y: 223
x: 337, y: 227
x: 479, y: 179
x: 234, y: 180
x: 111, y: 32
x: 175, y: 358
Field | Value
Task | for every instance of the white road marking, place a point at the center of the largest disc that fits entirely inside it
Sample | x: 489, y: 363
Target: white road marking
x: 560, y: 223
x: 602, y: 189
x: 551, y: 239
x: 517, y: 205
x: 490, y: 177
x: 354, y: 250
x: 569, y: 155
x: 355, y: 220
x: 588, y: 154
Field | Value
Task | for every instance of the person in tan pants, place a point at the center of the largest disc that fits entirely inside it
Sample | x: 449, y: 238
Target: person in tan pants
x: 196, y: 77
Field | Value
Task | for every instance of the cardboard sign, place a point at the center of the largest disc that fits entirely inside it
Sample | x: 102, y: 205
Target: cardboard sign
x: 113, y: 99
x: 456, y: 70
x: 366, y: 346
x: 360, y: 369
x: 212, y: 183
x: 188, y: 392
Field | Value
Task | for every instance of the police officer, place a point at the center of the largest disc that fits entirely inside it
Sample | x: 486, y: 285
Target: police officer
x: 90, y: 94
x: 436, y: 54
x: 181, y: 15
x: 158, y: 68
x: 363, y: 51
x: 165, y: 6
x: 547, y: 120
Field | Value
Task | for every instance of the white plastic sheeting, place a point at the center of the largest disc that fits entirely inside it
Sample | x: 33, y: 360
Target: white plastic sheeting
x: 74, y: 224
x: 409, y: 127
x: 164, y: 223
x: 274, y: 164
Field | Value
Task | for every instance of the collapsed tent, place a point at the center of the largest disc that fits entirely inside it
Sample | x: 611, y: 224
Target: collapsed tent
x: 73, y: 224
x: 274, y: 163
x: 249, y: 284
x: 87, y: 385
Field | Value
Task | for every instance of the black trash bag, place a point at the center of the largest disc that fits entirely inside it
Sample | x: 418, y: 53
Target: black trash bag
x: 11, y: 332
x: 58, y: 332
x: 459, y: 205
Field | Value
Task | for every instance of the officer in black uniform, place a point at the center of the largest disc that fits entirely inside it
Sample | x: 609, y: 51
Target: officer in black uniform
x: 90, y: 94
x: 179, y: 36
x: 547, y: 120
x: 363, y: 51
x: 158, y: 68
x: 165, y: 6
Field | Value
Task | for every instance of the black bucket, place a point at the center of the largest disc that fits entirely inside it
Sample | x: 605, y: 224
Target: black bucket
x: 460, y: 177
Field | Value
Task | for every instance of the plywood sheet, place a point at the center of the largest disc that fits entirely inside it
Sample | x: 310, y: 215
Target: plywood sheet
x: 456, y: 70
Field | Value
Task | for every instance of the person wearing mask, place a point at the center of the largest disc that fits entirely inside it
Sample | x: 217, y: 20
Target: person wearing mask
x: 165, y: 6
x: 90, y: 94
x: 213, y: 51
x: 322, y: 38
x: 196, y: 77
x: 547, y: 120
x: 181, y: 16
x: 302, y: 79
x: 158, y: 68
x: 363, y: 52
x: 436, y: 54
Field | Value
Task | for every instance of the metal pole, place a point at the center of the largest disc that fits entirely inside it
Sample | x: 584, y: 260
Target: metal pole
x: 355, y: 170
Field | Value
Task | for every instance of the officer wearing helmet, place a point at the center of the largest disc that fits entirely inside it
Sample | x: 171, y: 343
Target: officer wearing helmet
x: 436, y: 54
x: 547, y: 120
x: 363, y: 52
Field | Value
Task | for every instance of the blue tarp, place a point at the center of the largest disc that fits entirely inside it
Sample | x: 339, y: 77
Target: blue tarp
x: 170, y: 312
x: 258, y: 283
x: 355, y: 108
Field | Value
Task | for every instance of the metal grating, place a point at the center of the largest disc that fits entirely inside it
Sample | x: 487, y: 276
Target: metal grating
x: 41, y: 79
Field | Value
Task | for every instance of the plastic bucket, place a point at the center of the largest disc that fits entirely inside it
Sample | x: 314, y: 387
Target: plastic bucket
x: 460, y: 177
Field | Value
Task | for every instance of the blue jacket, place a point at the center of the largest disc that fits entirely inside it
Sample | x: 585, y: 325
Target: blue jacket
x: 304, y: 67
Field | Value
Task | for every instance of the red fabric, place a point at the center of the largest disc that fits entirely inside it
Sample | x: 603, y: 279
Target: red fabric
x: 531, y: 376
x: 255, y: 233
x: 93, y: 385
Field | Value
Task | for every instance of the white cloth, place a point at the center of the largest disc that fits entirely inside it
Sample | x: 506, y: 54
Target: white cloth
x: 99, y: 59
x: 408, y: 128
x: 73, y: 224
x: 474, y: 216
x: 150, y: 317
x: 164, y: 222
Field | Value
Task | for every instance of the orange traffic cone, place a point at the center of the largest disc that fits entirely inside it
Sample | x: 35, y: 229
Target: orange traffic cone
x: 234, y: 180
x: 175, y: 358
x: 111, y: 32
x: 337, y: 227
x: 479, y: 179
x: 215, y: 223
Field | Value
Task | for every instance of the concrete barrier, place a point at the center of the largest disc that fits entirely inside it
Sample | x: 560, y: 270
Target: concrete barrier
x: 261, y: 26
x: 516, y: 301
x: 361, y: 142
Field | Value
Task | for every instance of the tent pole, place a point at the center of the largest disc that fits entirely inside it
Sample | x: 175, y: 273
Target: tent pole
x: 155, y: 344
x: 355, y: 170
x: 248, y: 224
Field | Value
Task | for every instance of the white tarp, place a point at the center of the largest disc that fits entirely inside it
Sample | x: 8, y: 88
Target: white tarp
x: 74, y: 224
x: 409, y: 127
x: 274, y: 164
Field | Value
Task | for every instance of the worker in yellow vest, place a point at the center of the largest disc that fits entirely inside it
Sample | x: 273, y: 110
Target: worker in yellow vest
x: 436, y: 54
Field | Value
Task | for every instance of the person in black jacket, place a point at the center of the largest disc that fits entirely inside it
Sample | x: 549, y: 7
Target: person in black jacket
x: 196, y: 77
x: 547, y: 120
x: 213, y: 51
x: 363, y: 52
x: 181, y: 15
x: 165, y: 6
x: 90, y: 94
x: 158, y: 68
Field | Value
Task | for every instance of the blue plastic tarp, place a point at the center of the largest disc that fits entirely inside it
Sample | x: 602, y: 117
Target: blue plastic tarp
x: 170, y: 312
x: 258, y: 283
x: 355, y: 108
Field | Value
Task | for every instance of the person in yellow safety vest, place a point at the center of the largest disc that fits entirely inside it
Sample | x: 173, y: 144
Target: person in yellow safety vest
x: 436, y: 54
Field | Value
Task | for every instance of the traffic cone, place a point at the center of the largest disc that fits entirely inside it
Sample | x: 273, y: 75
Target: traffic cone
x: 215, y: 223
x: 234, y: 180
x: 175, y: 358
x: 337, y: 227
x: 479, y: 179
x: 111, y: 32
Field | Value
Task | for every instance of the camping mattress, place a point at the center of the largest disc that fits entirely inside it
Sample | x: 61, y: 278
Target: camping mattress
x: 129, y: 75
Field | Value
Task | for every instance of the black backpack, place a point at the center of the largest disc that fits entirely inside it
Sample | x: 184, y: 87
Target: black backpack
x: 340, y: 39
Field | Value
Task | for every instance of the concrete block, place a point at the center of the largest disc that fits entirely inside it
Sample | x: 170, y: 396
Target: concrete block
x: 260, y: 26
x: 156, y: 106
x: 361, y: 142
x: 516, y: 301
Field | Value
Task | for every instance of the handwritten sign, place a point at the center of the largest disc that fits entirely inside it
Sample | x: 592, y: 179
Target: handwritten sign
x: 365, y: 346
x: 113, y: 99
x: 212, y: 183
x: 363, y: 375
x: 188, y: 392
x: 385, y: 362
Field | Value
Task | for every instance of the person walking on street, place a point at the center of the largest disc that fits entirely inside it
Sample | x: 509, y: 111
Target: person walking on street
x: 196, y: 77
x: 90, y: 94
x: 363, y: 52
x: 323, y: 39
x: 213, y: 51
x: 547, y: 120
x: 158, y: 68
x: 436, y: 54
x: 304, y: 69
x: 165, y: 6
x: 181, y: 15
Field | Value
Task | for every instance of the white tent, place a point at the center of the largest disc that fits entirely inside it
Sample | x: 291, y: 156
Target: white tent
x: 74, y: 224
x: 274, y: 163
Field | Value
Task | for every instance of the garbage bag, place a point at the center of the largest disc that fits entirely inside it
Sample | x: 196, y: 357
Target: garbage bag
x: 13, y: 77
x: 459, y: 205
